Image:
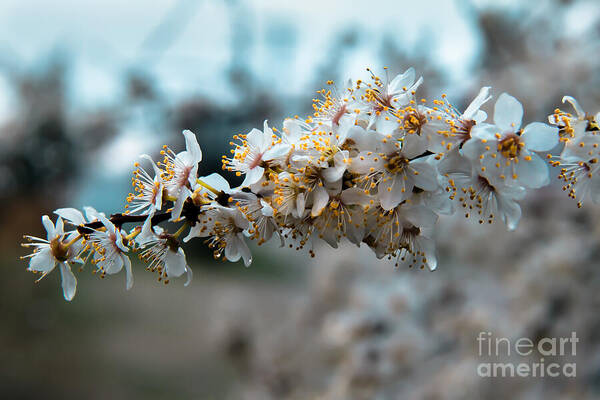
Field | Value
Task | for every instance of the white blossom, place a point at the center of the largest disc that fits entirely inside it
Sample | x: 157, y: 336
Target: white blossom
x: 251, y: 157
x: 109, y: 251
x: 181, y: 170
x: 53, y: 250
x: 504, y: 151
x: 164, y: 255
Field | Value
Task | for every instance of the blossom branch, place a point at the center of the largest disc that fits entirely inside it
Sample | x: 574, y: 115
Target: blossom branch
x: 373, y: 165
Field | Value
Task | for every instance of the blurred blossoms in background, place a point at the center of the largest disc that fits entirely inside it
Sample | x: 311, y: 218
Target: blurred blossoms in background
x: 374, y: 164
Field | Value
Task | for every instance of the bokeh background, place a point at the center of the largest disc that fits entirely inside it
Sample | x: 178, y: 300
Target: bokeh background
x: 87, y: 86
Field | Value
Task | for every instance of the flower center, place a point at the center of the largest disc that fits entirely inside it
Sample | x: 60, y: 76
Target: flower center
x: 257, y: 161
x: 59, y: 250
x: 339, y: 114
x: 412, y: 231
x: 485, y: 183
x: 465, y: 127
x: 396, y: 163
x: 510, y: 146
x: 592, y: 124
x: 185, y: 174
x: 414, y: 121
x: 383, y: 102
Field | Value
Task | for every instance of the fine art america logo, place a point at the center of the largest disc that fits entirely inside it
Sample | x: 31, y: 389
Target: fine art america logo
x: 521, y: 357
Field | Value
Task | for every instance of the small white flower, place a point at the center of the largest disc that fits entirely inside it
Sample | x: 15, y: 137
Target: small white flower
x: 404, y: 233
x: 395, y: 172
x: 225, y: 226
x: 505, y: 151
x: 259, y: 213
x: 148, y: 198
x: 181, y: 171
x: 72, y: 215
x: 580, y: 168
x: 255, y: 216
x: 55, y: 249
x: 289, y: 197
x: 343, y: 216
x: 456, y: 129
x: 483, y: 195
x: 385, y: 98
x: 255, y: 151
x: 149, y: 193
x: 337, y: 111
x: 109, y: 251
x: 165, y: 256
x: 575, y: 130
x: 572, y: 127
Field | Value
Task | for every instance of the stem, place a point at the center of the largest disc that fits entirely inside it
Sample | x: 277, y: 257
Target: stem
x: 74, y: 240
x: 133, y: 234
x: 120, y: 219
x: 425, y: 154
x: 207, y: 186
x: 180, y: 230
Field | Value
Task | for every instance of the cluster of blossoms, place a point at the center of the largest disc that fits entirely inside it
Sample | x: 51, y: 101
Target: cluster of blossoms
x: 579, y: 158
x: 374, y: 165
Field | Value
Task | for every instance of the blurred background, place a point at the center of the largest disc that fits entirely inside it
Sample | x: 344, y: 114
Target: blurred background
x: 87, y: 86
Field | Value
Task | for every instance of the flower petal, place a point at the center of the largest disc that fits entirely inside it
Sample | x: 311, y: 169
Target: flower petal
x: 393, y: 190
x: 540, y: 137
x: 73, y: 215
x: 472, y: 149
x: 178, y: 206
x: 157, y: 171
x: 423, y: 175
x: 115, y: 266
x: 320, y: 199
x: 175, y: 262
x: 255, y: 138
x: 478, y: 101
x: 49, y: 226
x: 190, y: 275
x: 253, y: 175
x: 386, y: 124
x: 419, y: 215
x: 146, y: 234
x: 534, y: 173
x: 334, y: 173
x: 59, y: 228
x: 508, y: 113
x: 266, y: 209
x: 244, y: 251
x: 401, y: 81
x: 427, y: 246
x: 485, y: 131
x: 576, y: 106
x: 192, y: 146
x: 217, y: 182
x: 355, y: 196
x: 91, y: 213
x: 278, y: 151
x: 366, y: 162
x: 42, y: 261
x: 454, y: 163
x: 300, y: 205
x: 510, y: 211
x: 69, y: 283
x: 129, y: 274
x: 196, y: 231
x: 232, y: 248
